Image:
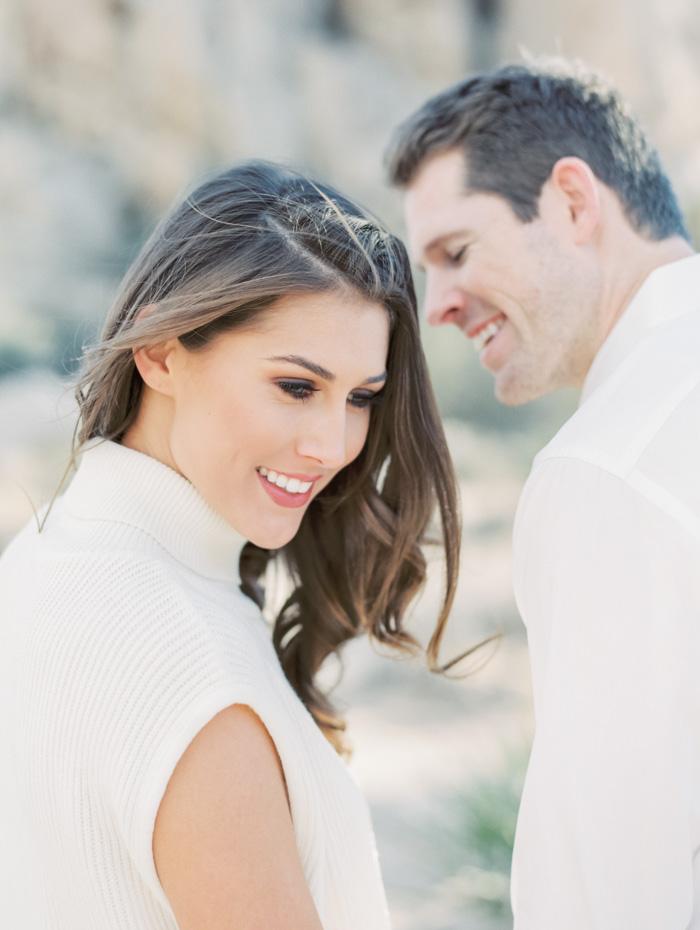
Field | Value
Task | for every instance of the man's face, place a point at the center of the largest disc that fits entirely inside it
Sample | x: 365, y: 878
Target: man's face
x: 524, y: 293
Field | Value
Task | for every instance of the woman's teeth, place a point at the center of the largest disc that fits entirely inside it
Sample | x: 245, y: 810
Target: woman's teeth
x: 486, y: 334
x: 293, y: 485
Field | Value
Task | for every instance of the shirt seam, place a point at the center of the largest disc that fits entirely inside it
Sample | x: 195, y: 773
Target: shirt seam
x: 663, y: 501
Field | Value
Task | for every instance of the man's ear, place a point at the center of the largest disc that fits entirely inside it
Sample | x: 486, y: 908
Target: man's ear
x: 575, y: 188
x: 155, y: 365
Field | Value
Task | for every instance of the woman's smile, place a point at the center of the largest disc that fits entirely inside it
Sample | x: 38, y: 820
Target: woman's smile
x: 295, y: 484
x: 286, y: 490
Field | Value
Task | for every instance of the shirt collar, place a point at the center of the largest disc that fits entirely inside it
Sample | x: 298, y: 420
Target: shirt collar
x: 668, y: 292
x: 119, y: 485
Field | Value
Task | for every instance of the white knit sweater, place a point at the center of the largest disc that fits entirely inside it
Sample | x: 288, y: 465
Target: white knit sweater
x: 123, y: 632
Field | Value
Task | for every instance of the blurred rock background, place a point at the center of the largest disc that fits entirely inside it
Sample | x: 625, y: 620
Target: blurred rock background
x: 108, y: 109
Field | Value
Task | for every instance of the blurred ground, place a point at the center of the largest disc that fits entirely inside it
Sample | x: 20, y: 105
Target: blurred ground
x: 442, y: 759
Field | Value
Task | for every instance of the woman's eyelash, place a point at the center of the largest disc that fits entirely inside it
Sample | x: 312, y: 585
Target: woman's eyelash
x: 301, y: 390
x: 364, y: 399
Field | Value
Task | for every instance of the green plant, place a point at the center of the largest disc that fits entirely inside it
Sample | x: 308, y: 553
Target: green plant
x: 480, y: 831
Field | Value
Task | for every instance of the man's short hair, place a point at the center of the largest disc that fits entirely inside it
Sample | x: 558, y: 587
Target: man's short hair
x: 515, y: 123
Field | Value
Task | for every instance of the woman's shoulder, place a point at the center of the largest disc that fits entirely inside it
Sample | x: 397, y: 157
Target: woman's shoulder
x: 156, y: 602
x: 124, y: 601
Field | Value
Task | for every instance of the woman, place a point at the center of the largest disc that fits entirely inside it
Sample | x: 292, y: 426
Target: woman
x: 259, y: 391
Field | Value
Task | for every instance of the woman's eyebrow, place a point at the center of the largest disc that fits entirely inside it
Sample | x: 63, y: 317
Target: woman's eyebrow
x: 319, y: 369
x: 304, y: 363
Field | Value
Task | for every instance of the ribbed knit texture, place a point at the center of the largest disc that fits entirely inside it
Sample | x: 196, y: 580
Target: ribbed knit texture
x: 123, y: 633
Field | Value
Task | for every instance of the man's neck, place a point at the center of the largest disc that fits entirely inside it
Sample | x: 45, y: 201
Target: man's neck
x: 628, y: 267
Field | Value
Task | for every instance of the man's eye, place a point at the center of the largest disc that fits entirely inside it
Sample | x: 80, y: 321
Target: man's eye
x: 454, y: 258
x: 301, y: 390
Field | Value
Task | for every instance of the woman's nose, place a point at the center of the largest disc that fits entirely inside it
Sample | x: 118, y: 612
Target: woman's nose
x: 325, y: 439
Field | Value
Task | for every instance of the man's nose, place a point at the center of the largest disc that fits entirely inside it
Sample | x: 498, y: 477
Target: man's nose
x: 443, y: 304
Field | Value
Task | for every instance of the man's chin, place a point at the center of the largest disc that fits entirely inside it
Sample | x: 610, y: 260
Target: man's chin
x: 514, y: 392
x: 509, y: 401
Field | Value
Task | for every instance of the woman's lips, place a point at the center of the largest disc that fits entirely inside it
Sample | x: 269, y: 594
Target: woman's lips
x: 283, y: 497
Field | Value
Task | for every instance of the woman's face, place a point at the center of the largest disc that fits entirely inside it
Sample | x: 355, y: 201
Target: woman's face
x: 262, y: 418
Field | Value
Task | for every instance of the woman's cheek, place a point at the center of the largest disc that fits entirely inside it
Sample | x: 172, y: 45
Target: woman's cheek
x: 358, y: 433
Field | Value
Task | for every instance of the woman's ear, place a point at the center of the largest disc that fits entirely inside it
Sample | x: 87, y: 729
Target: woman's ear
x: 155, y: 365
x: 575, y: 188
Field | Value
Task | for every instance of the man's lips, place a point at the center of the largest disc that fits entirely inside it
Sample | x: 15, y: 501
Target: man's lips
x: 482, y: 334
x: 476, y: 328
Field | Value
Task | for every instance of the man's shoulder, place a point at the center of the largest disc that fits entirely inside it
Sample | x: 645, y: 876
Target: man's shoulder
x: 657, y: 382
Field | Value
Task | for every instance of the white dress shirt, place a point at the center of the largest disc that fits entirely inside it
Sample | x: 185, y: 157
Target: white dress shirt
x: 607, y: 579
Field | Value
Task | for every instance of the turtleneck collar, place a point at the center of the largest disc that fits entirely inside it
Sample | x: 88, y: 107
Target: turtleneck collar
x: 670, y: 291
x: 117, y: 484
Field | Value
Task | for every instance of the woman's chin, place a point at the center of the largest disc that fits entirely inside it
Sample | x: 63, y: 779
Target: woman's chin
x: 271, y: 537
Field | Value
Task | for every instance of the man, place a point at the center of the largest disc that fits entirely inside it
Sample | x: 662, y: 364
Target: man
x: 551, y: 237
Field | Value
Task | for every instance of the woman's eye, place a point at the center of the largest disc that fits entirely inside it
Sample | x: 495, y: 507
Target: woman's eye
x: 364, y: 398
x: 301, y: 390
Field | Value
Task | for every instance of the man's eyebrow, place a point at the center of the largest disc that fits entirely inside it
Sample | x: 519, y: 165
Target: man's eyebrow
x: 319, y: 369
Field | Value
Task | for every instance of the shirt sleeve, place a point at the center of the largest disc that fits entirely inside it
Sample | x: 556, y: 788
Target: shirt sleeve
x: 607, y: 583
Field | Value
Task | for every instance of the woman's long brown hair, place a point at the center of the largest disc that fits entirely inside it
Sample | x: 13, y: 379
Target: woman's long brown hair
x: 239, y: 242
